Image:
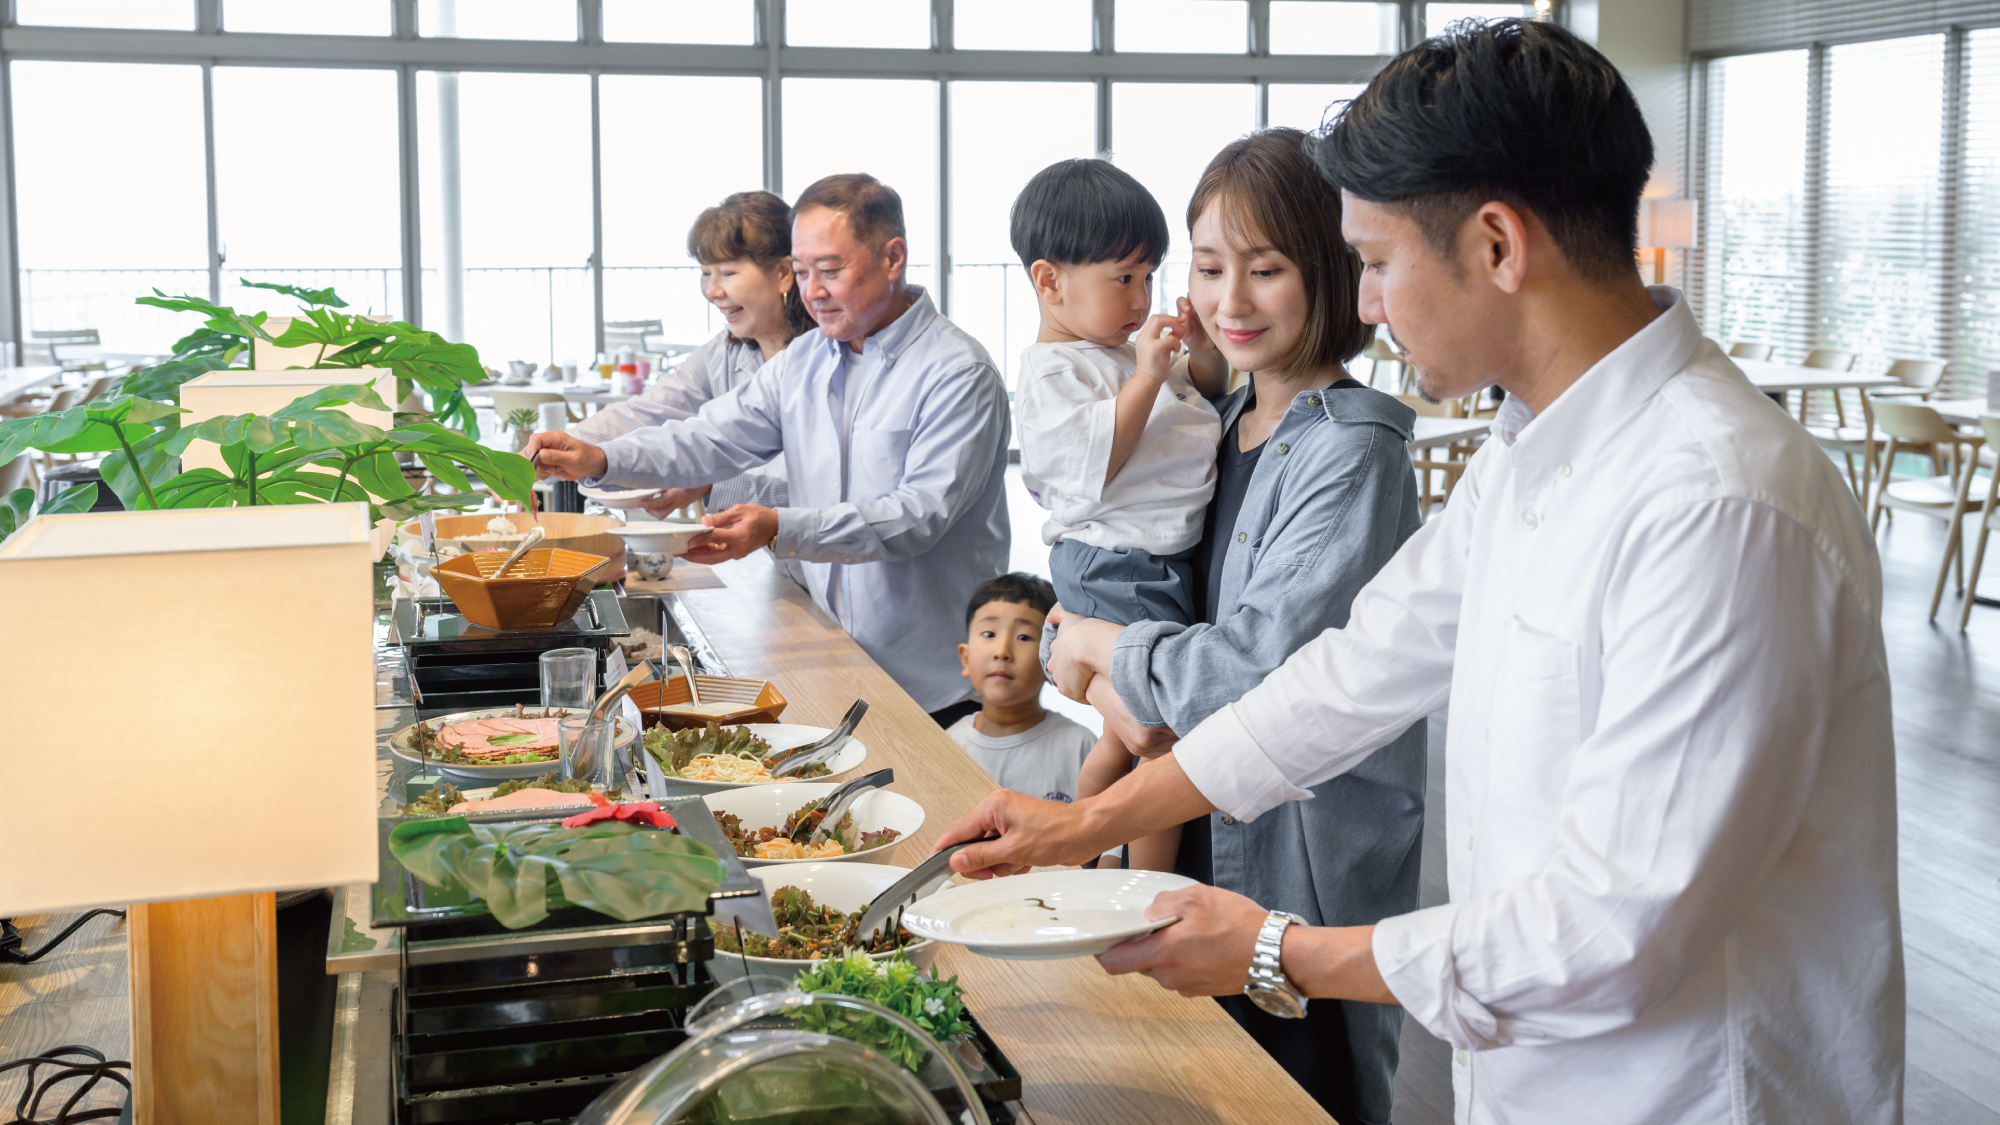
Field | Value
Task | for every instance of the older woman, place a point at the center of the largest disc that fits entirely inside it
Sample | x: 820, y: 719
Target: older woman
x: 1314, y: 493
x: 744, y: 245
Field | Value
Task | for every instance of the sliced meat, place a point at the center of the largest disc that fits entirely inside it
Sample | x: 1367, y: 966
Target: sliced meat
x: 528, y: 799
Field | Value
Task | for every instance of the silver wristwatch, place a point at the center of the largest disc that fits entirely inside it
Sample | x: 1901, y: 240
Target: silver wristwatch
x: 1268, y: 988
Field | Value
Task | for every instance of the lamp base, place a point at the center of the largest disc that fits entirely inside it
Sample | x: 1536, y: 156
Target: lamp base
x: 205, y: 1010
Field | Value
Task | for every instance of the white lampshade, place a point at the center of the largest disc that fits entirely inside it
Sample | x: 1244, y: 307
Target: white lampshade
x: 190, y: 702
x: 1669, y: 224
x: 225, y: 394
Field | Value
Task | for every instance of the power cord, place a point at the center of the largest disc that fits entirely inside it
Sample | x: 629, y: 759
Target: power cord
x: 93, y: 1072
x: 10, y: 938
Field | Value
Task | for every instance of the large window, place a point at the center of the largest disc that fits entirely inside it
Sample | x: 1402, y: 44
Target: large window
x: 1165, y: 134
x: 507, y: 213
x: 680, y: 21
x: 1755, y: 240
x: 1973, y: 326
x: 285, y: 213
x: 1021, y: 128
x: 662, y: 166
x: 109, y: 180
x: 165, y: 15
x: 1307, y: 107
x: 886, y: 127
x: 1021, y: 25
x: 1181, y: 26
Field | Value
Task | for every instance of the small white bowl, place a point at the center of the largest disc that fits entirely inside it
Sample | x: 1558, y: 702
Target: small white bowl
x: 658, y: 536
x: 767, y: 806
x: 651, y: 567
x: 619, y: 497
x: 847, y: 887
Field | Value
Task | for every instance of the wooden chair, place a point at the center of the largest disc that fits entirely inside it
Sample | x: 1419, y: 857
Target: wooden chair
x: 1378, y: 352
x: 1749, y: 349
x: 1989, y: 518
x: 630, y: 334
x: 45, y: 347
x: 1830, y: 359
x: 1941, y: 497
x: 1449, y: 460
x: 20, y: 473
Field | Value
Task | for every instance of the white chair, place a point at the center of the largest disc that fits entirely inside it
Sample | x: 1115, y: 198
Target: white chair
x: 630, y: 334
x: 1749, y: 349
x: 1989, y: 518
x: 1941, y: 497
x: 45, y: 347
x: 20, y: 473
x: 1378, y: 352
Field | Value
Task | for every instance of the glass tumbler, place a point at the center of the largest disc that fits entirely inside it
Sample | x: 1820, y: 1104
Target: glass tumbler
x: 586, y: 750
x: 569, y: 678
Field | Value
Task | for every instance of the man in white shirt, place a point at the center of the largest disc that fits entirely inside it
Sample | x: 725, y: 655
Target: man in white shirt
x: 1653, y: 609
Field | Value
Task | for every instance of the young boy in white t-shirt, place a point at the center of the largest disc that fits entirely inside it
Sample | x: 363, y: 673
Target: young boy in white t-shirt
x: 1117, y: 440
x: 1024, y: 747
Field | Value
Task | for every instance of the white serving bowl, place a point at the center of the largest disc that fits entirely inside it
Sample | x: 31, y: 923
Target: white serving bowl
x: 781, y: 736
x: 767, y: 806
x: 658, y: 536
x: 619, y: 497
x: 846, y: 887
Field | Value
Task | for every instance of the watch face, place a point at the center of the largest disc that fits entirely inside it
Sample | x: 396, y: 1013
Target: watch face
x: 1278, y: 1002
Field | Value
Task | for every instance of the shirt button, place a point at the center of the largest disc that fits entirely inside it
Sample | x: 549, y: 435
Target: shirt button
x: 1459, y: 1057
x: 1312, y: 400
x: 1529, y: 520
x: 1242, y: 537
x: 1283, y: 448
x: 1227, y: 819
x: 1563, y: 469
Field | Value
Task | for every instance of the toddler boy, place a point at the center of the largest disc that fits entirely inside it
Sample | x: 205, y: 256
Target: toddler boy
x: 1025, y: 748
x: 1117, y: 440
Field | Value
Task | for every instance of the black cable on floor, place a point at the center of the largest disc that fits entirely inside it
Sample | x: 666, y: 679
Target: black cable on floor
x: 10, y: 938
x: 93, y: 1071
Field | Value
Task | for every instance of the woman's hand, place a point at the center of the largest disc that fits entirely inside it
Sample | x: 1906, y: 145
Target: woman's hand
x: 672, y: 500
x: 1206, y: 953
x: 1081, y: 650
x: 733, y: 534
x: 557, y: 454
x: 1207, y: 369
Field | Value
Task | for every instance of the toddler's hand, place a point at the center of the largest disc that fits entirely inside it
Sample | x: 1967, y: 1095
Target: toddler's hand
x: 1159, y: 343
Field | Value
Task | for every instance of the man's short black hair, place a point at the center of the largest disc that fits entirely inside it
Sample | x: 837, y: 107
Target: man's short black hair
x: 1518, y: 111
x: 1088, y: 210
x: 1018, y: 588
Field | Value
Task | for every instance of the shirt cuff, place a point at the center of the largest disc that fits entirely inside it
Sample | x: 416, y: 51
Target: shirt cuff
x: 618, y: 463
x: 1415, y: 955
x: 798, y: 529
x: 1231, y: 770
x: 1132, y: 668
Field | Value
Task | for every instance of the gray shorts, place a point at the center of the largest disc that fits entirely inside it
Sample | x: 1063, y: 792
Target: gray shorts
x: 1120, y: 585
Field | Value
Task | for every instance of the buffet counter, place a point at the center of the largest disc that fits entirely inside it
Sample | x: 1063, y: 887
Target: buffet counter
x: 1090, y: 1047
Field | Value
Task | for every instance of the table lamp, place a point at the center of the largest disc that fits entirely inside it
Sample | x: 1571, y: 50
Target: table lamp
x: 225, y: 394
x: 1667, y: 224
x: 191, y: 705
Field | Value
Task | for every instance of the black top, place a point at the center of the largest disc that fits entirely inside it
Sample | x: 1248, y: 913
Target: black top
x: 1233, y: 469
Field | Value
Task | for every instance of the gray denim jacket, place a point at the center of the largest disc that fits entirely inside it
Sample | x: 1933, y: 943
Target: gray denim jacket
x: 1332, y: 497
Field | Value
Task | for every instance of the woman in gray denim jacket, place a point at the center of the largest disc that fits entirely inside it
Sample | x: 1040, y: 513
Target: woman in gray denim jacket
x: 1300, y: 522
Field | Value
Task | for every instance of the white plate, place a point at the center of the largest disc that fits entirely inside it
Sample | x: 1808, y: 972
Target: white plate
x: 847, y: 887
x: 619, y: 497
x: 781, y: 736
x: 658, y: 536
x: 1045, y: 915
x: 767, y: 806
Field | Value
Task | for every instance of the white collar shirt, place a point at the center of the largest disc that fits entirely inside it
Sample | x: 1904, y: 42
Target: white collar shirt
x: 1654, y: 611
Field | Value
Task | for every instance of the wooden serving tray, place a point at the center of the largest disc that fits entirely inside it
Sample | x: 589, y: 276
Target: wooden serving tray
x: 758, y: 701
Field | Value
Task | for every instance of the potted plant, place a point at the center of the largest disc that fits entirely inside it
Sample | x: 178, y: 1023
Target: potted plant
x: 522, y: 422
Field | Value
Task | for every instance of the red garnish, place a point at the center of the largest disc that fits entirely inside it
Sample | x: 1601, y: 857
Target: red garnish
x: 636, y: 812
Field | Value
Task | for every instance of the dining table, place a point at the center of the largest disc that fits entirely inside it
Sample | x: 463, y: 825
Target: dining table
x: 17, y: 381
x: 591, y: 392
x: 1777, y: 379
x: 1962, y: 411
x: 1431, y: 431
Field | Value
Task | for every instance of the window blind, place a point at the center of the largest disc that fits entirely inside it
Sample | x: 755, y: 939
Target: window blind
x: 1973, y: 290
x: 1880, y: 228
x: 1752, y: 273
x: 1735, y: 26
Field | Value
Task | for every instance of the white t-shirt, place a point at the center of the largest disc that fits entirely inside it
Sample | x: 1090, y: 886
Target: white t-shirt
x: 1065, y: 405
x: 1042, y: 761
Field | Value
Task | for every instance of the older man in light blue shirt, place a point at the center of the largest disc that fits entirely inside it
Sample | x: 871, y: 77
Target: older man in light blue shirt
x: 893, y: 428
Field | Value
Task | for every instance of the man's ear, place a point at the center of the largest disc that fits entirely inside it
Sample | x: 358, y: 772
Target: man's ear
x: 896, y: 257
x: 1493, y: 246
x: 1043, y: 276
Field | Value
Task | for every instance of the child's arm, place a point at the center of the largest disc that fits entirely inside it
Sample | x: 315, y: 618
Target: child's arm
x: 1107, y: 761
x: 1158, y: 341
x: 1207, y: 370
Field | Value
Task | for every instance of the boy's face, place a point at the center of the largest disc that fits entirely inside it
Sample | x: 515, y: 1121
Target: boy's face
x: 1102, y: 302
x: 1002, y: 655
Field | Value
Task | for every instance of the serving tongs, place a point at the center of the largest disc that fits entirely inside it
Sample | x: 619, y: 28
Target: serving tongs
x: 785, y: 763
x: 535, y: 535
x: 836, y: 804
x: 923, y: 879
x: 638, y: 675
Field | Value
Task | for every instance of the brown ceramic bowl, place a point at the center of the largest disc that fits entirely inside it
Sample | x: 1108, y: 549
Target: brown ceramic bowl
x: 542, y: 590
x: 750, y: 701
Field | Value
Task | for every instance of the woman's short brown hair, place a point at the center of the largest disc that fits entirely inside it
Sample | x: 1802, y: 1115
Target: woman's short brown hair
x: 1268, y: 186
x: 753, y: 225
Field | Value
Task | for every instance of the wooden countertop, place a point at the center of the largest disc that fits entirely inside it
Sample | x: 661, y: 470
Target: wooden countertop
x: 1091, y: 1047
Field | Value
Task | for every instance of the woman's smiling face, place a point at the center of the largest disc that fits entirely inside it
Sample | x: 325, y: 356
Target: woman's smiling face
x: 1250, y: 298
x: 750, y: 298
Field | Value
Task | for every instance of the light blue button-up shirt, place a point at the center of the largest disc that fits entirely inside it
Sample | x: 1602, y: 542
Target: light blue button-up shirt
x: 897, y: 463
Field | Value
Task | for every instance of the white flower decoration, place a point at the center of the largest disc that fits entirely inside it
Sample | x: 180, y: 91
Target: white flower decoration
x: 934, y: 1006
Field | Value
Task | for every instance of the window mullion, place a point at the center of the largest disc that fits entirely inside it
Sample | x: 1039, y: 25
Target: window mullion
x: 1951, y: 190
x: 1814, y: 219
x: 208, y: 146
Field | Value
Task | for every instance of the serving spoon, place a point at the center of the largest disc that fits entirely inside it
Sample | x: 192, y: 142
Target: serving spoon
x: 535, y: 535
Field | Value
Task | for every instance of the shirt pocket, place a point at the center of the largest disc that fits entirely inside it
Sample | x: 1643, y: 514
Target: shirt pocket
x: 875, y: 462
x: 1536, y: 720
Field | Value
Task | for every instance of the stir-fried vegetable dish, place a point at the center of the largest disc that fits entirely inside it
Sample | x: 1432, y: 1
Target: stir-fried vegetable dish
x: 807, y: 930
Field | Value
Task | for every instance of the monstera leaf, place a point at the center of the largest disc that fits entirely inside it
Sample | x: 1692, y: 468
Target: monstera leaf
x: 611, y: 866
x: 15, y: 508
